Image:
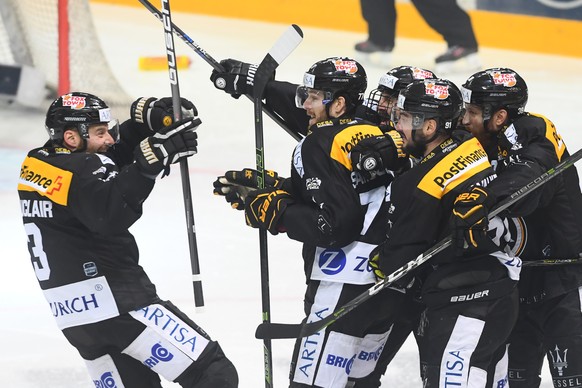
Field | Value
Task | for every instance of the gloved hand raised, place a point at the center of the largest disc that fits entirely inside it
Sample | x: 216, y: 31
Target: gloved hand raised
x: 168, y: 146
x: 264, y: 208
x: 238, y: 77
x: 235, y: 185
x: 470, y: 219
x: 378, y: 153
x: 151, y: 114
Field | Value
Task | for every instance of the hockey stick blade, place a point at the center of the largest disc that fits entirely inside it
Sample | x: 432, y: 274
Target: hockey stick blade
x: 279, y: 330
x: 280, y: 50
x: 217, y: 66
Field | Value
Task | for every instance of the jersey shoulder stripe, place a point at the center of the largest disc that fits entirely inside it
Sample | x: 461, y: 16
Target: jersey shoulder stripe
x: 45, y: 179
x: 347, y: 138
x: 455, y: 168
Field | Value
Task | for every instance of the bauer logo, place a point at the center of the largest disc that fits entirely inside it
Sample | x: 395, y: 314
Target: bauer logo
x: 159, y: 354
x: 332, y: 261
x: 105, y: 381
x: 340, y: 362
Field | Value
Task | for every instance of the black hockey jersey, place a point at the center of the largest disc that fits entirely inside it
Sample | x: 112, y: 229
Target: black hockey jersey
x: 550, y: 226
x: 419, y: 207
x: 77, y: 208
x: 336, y: 213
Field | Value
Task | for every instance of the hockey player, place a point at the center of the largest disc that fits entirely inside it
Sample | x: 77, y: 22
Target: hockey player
x: 522, y: 146
x: 79, y: 194
x: 333, y: 211
x: 471, y: 301
x: 375, y: 153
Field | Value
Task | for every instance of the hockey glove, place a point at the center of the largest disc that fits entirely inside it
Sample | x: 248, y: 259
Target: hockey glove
x: 238, y: 77
x: 374, y: 262
x: 235, y: 185
x: 168, y: 146
x: 152, y: 114
x: 378, y: 153
x: 469, y: 220
x: 264, y: 208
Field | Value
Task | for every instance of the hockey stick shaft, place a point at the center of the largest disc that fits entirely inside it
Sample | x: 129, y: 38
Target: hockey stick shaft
x: 551, y: 262
x: 217, y: 66
x: 282, y: 48
x: 279, y: 330
x: 184, y: 171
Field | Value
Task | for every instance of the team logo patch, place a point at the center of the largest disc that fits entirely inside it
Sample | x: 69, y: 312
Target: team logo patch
x: 418, y: 73
x: 440, y: 92
x: 559, y: 359
x: 332, y: 261
x: 506, y: 79
x: 349, y: 67
x: 75, y: 102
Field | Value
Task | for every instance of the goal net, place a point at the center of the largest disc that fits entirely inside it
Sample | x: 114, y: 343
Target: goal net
x: 58, y: 38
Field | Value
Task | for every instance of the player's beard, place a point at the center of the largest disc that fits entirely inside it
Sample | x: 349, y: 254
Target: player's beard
x: 416, y: 146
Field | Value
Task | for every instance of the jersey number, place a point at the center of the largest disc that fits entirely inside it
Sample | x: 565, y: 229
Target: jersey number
x: 37, y: 254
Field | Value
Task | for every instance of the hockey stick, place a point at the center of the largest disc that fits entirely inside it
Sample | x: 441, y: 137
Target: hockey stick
x: 552, y: 262
x: 217, y: 66
x: 280, y: 50
x: 187, y: 194
x: 281, y: 330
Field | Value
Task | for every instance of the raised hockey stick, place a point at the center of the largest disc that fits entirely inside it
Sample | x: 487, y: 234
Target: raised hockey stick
x: 184, y: 171
x: 280, y: 50
x: 217, y: 66
x: 281, y: 330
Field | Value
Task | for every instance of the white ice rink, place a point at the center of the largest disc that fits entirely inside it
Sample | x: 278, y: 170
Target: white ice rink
x: 34, y: 352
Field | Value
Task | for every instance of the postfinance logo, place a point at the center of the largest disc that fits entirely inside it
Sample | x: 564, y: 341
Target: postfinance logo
x: 45, y: 179
x: 459, y: 165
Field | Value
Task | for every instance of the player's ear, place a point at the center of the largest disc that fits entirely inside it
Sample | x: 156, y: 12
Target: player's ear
x: 71, y: 139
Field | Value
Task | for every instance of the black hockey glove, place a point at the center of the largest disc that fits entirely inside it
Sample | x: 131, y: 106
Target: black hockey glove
x: 469, y: 220
x: 264, y: 208
x: 152, y: 114
x: 168, y: 146
x: 235, y: 185
x: 238, y: 77
x: 378, y: 153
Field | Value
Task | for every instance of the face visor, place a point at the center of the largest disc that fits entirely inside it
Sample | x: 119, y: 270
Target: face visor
x: 113, y: 129
x: 408, y: 120
x: 305, y: 94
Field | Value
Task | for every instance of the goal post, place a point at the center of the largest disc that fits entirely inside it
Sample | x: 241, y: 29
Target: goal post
x: 57, y: 39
